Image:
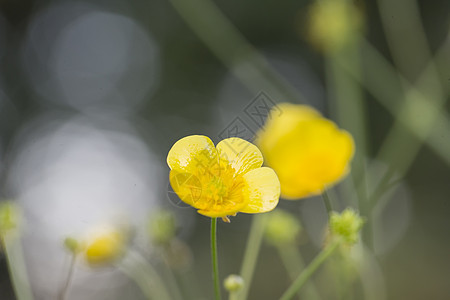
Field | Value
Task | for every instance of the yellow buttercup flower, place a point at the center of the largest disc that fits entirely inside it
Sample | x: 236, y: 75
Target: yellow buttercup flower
x: 308, y: 152
x: 222, y: 180
x: 105, y: 247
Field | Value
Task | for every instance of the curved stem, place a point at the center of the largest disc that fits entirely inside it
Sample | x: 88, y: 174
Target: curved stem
x: 309, y: 271
x: 215, y: 264
x: 294, y: 263
x: 63, y: 293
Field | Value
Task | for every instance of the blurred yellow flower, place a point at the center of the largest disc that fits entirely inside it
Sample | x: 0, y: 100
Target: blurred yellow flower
x: 308, y: 152
x: 333, y: 24
x: 223, y: 180
x: 105, y: 247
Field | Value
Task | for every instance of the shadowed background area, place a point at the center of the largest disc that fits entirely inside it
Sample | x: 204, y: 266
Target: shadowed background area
x: 94, y: 93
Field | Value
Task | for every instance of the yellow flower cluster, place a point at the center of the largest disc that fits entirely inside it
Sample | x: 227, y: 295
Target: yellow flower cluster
x: 222, y: 180
x: 307, y: 151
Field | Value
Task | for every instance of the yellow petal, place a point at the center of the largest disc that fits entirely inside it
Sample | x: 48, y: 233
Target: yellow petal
x: 280, y: 120
x: 240, y: 155
x: 262, y: 189
x: 310, y: 157
x: 187, y: 186
x: 193, y: 154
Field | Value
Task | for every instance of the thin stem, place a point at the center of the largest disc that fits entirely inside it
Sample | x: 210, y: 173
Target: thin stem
x: 385, y: 84
x: 231, y: 47
x: 171, y: 278
x: 215, y: 264
x: 251, y: 252
x: 189, y: 284
x: 16, y: 265
x: 145, y: 276
x: 309, y: 271
x: 63, y: 293
x: 327, y: 202
x: 293, y: 263
x: 233, y: 296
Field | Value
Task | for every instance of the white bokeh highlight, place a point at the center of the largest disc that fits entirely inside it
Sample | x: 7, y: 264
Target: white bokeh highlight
x: 72, y: 176
x: 80, y: 56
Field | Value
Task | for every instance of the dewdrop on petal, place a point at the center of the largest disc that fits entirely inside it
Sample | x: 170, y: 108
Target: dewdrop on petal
x: 346, y: 225
x: 282, y: 228
x: 233, y: 283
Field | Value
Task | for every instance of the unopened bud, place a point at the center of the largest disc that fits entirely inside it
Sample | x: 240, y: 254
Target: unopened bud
x: 346, y: 225
x: 333, y: 24
x: 162, y: 227
x: 282, y: 228
x: 72, y: 244
x: 9, y: 216
x: 233, y: 283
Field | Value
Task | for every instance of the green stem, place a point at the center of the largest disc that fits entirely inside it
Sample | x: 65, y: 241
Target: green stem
x: 215, y: 264
x: 327, y: 202
x: 309, y: 271
x: 145, y: 276
x: 14, y: 257
x: 293, y: 263
x: 252, y: 251
x: 172, y: 281
x: 233, y: 296
x: 62, y: 295
x: 231, y: 47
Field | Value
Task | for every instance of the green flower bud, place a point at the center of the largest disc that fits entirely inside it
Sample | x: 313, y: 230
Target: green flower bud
x: 333, y: 24
x: 346, y: 225
x: 162, y: 227
x: 282, y: 228
x: 233, y: 283
x: 9, y: 216
x: 73, y: 245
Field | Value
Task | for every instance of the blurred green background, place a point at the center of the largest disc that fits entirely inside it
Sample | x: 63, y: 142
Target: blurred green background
x: 94, y: 93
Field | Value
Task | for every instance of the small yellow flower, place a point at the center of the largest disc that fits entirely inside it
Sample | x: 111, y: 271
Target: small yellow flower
x: 105, y: 247
x: 222, y: 180
x: 308, y: 152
